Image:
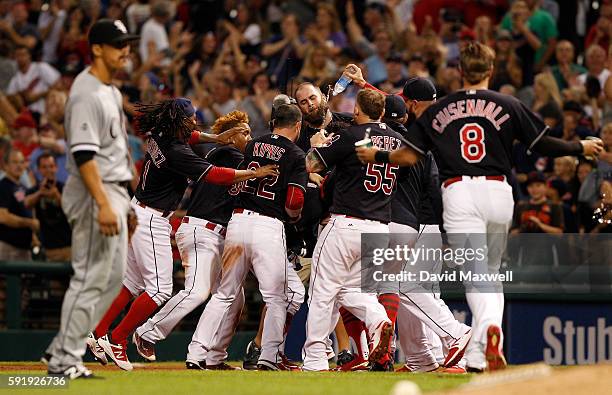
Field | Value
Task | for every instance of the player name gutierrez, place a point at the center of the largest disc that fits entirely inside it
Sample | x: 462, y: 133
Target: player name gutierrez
x: 265, y: 150
x: 469, y: 108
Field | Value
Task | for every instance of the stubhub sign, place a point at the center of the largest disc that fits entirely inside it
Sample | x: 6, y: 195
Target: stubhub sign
x: 559, y: 334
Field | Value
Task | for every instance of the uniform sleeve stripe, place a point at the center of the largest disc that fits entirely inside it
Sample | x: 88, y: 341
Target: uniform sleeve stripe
x: 542, y: 133
x: 297, y: 185
x: 84, y: 147
x: 320, y: 156
x: 204, y: 173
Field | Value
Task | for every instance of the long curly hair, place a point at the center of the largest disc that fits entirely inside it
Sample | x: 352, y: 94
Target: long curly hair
x: 166, y: 119
x: 229, y: 121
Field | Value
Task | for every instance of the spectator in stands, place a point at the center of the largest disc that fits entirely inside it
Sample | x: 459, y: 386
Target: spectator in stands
x: 565, y: 172
x: 329, y: 29
x: 153, y: 34
x: 258, y: 104
x: 25, y: 137
x: 16, y: 222
x: 20, y: 32
x: 507, y: 68
x: 247, y: 31
x: 375, y: 52
x: 536, y: 26
x: 285, y: 51
x: 575, y: 124
x: 601, y: 31
x: 50, y: 24
x: 50, y: 144
x: 73, y: 50
x: 46, y: 201
x: 137, y: 14
x: 8, y: 66
x: 538, y: 214
x: 547, y: 98
x: 396, y: 74
x: 318, y: 67
x: 566, y: 72
x: 596, y: 65
x: 32, y: 83
x: 484, y: 30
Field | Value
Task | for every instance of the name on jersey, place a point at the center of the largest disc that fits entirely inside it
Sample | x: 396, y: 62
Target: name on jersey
x: 470, y: 108
x: 386, y: 143
x: 269, y: 151
x: 156, y: 154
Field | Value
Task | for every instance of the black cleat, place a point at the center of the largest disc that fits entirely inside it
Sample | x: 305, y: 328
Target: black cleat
x: 193, y: 365
x: 251, y: 356
x: 344, y: 357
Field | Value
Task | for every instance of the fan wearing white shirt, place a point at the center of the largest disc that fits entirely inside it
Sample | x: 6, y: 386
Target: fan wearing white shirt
x: 154, y: 30
x: 32, y: 83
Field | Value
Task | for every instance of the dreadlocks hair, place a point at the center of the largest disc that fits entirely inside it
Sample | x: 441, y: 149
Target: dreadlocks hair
x: 229, y: 121
x: 166, y: 119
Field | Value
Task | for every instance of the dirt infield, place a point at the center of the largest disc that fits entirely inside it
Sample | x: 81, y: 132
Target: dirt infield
x: 540, y: 379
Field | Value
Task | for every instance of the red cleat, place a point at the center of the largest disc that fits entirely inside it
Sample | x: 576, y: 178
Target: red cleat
x: 457, y: 349
x: 494, y: 353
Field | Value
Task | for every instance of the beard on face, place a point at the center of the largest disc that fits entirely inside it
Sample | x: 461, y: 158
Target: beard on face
x: 316, y: 117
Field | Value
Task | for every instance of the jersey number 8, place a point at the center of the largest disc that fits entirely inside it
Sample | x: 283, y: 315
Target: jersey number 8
x: 472, y: 140
x: 380, y: 176
x: 261, y: 187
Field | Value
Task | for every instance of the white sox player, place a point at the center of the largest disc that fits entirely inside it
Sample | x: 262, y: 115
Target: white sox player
x: 470, y: 133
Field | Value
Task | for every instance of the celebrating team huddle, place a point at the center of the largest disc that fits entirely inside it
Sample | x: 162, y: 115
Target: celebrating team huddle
x: 404, y: 167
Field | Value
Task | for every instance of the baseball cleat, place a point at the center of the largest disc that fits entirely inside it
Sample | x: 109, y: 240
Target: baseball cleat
x: 418, y: 368
x: 46, y: 357
x: 221, y: 366
x: 494, y: 353
x: 474, y: 370
x: 251, y: 356
x: 267, y: 365
x: 145, y: 348
x: 95, y: 349
x: 354, y: 365
x: 117, y: 352
x: 286, y: 364
x: 457, y: 349
x: 344, y: 357
x: 195, y: 365
x: 382, y: 367
x: 453, y: 370
x: 380, y: 341
x: 72, y: 372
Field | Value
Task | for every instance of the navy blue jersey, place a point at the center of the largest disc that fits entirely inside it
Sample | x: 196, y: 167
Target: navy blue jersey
x: 267, y: 196
x: 303, y: 141
x: 212, y: 202
x: 168, y: 168
x: 471, y: 132
x: 362, y: 190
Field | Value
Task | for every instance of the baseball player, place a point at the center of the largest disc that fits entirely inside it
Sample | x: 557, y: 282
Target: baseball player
x: 470, y: 133
x: 255, y: 238
x: 200, y: 241
x: 361, y: 200
x: 169, y: 164
x: 95, y: 197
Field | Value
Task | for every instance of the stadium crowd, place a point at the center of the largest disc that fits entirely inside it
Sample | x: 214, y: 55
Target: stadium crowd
x: 555, y: 56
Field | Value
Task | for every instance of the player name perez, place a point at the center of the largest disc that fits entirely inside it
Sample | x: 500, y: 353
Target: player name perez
x: 426, y: 276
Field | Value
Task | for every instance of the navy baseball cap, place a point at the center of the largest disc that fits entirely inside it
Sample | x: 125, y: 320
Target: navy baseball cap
x: 185, y: 105
x: 536, y: 176
x: 110, y: 32
x: 395, y: 108
x: 419, y: 89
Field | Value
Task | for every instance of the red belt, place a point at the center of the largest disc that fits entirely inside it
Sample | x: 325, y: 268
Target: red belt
x: 209, y: 225
x: 460, y: 178
x: 163, y: 213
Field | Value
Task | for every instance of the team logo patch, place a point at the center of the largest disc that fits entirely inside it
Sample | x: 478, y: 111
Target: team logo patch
x: 119, y: 25
x: 329, y: 142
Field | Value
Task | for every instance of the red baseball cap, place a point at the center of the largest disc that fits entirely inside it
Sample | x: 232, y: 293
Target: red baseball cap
x: 24, y: 120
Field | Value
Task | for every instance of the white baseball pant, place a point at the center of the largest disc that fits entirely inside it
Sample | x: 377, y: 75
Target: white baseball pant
x: 200, y: 249
x: 481, y: 209
x: 336, y: 278
x: 149, y: 259
x: 256, y: 242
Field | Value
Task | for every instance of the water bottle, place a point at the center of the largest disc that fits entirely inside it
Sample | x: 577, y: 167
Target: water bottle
x: 366, y: 141
x: 341, y: 85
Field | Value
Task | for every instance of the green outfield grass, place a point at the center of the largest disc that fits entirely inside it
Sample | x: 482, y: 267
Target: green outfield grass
x: 170, y: 379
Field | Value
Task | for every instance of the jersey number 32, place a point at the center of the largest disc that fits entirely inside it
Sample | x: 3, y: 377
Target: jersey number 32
x: 472, y: 140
